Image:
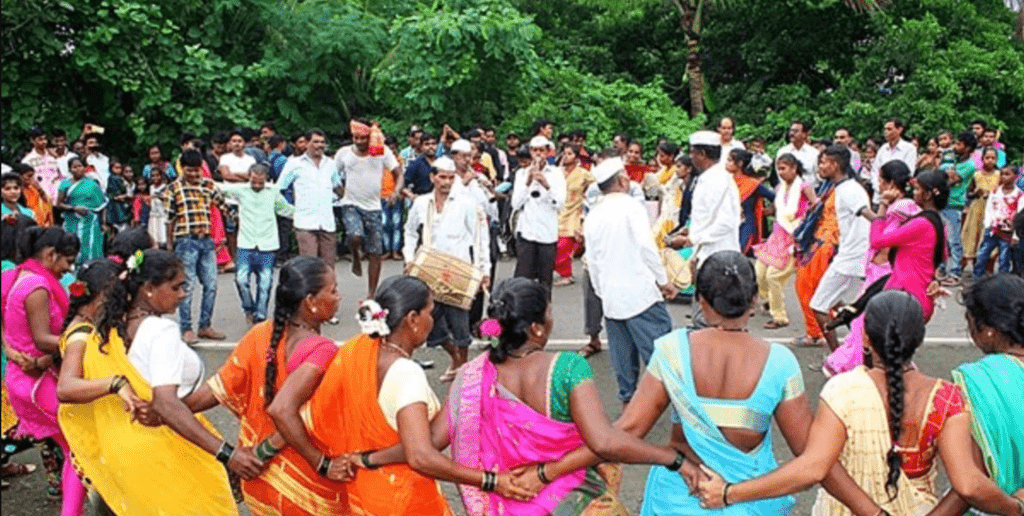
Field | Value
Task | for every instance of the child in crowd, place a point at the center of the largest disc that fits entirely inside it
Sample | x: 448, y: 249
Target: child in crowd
x: 775, y: 262
x: 129, y: 179
x: 1002, y: 207
x: 156, y: 160
x: 10, y: 184
x: 985, y: 181
x: 35, y: 198
x: 157, y: 223
x: 140, y: 203
x: 119, y: 201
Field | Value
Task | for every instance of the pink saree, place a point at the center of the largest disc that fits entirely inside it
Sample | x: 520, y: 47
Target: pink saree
x: 491, y: 429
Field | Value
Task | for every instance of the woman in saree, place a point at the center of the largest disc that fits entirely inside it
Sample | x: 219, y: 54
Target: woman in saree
x: 724, y: 386
x: 522, y: 408
x: 375, y: 402
x: 266, y: 380
x: 992, y: 385
x: 83, y: 201
x: 752, y: 191
x: 34, y: 306
x: 886, y: 424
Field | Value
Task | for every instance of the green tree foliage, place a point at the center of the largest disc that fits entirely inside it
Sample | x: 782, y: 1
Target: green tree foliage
x: 148, y: 71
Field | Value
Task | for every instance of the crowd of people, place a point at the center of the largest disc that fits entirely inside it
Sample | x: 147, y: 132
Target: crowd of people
x: 97, y: 258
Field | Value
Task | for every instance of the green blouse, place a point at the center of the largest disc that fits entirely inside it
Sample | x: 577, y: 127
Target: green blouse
x: 568, y: 371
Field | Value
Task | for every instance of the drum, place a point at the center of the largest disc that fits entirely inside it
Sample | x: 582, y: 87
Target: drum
x: 678, y: 268
x: 454, y: 281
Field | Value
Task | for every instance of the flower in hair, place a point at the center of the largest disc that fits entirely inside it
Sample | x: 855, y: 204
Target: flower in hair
x: 116, y: 259
x: 373, y: 320
x: 78, y: 288
x: 135, y: 262
x: 490, y: 328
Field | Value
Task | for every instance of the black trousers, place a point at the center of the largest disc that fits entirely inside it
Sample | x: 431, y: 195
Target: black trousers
x: 477, y: 312
x: 535, y: 261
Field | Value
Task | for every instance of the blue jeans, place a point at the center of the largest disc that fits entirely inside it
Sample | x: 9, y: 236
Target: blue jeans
x: 200, y: 260
x: 260, y: 263
x: 391, y: 232
x: 956, y: 249
x: 988, y: 243
x: 631, y: 342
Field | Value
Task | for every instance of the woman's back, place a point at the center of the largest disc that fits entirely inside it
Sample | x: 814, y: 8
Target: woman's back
x: 731, y: 374
x: 545, y: 380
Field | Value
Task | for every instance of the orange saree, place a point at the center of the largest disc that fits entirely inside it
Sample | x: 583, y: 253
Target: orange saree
x: 343, y: 416
x: 288, y: 485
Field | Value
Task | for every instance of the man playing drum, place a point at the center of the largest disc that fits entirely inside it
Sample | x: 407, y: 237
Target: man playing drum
x: 440, y: 225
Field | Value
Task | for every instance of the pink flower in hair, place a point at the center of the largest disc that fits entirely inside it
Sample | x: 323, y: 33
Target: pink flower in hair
x: 490, y: 328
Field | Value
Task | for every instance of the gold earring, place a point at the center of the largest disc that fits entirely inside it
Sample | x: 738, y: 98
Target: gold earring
x: 313, y: 310
x: 149, y: 294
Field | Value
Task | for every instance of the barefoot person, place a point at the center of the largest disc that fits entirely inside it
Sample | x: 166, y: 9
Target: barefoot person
x: 362, y: 167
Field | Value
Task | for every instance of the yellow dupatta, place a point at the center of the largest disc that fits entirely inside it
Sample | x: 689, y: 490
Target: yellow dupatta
x: 138, y: 470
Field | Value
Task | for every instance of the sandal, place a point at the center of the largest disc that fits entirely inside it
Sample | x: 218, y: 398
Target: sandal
x: 589, y: 350
x: 13, y: 469
x: 449, y: 375
x: 774, y: 325
x: 564, y: 282
x: 807, y: 342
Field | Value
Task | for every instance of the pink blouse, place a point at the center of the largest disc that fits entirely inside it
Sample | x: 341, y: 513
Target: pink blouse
x: 913, y: 268
x: 315, y: 350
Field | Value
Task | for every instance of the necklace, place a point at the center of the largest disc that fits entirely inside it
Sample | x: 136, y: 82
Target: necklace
x: 525, y: 353
x: 139, y: 313
x: 303, y: 325
x: 741, y: 330
x: 397, y: 348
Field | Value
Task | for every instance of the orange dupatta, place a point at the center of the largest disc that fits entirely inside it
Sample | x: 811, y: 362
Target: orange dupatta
x: 37, y: 200
x: 343, y: 416
x: 288, y: 485
x: 747, y: 186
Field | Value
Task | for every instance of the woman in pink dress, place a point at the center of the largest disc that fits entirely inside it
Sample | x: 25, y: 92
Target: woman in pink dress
x: 34, y: 306
x: 913, y: 230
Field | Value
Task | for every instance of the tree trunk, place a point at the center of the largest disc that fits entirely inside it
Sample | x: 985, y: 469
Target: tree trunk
x: 689, y: 22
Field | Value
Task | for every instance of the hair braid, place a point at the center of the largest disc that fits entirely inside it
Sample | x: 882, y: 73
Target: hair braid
x: 113, y: 313
x: 282, y: 313
x: 895, y: 361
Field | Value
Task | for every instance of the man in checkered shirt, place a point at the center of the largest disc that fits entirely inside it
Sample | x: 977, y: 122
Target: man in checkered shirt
x: 188, y: 202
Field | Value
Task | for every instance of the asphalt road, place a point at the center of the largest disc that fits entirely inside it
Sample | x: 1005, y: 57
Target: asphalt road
x: 946, y: 347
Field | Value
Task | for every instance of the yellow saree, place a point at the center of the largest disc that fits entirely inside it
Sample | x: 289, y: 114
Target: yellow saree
x: 138, y: 470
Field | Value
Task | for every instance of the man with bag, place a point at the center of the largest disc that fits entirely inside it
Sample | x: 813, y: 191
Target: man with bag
x: 443, y: 228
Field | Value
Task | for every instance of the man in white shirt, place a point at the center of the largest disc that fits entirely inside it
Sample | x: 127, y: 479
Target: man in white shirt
x: 726, y: 129
x: 453, y: 225
x: 847, y: 266
x: 45, y: 167
x: 538, y: 195
x: 894, y: 148
x: 715, y: 215
x: 315, y: 179
x: 626, y: 272
x: 60, y: 151
x: 234, y: 165
x: 97, y: 160
x: 799, y: 147
x: 362, y: 168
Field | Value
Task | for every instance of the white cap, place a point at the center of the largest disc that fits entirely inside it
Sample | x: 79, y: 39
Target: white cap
x: 444, y: 163
x: 706, y: 138
x: 540, y: 141
x: 461, y: 145
x: 607, y: 169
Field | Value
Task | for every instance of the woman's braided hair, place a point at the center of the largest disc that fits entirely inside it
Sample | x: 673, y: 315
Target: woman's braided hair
x: 894, y: 323
x: 300, y: 277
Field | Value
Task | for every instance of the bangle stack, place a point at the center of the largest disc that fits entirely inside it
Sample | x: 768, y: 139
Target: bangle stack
x: 117, y: 383
x: 678, y: 463
x: 489, y: 483
x: 725, y: 494
x: 324, y: 466
x: 225, y: 452
x: 266, y: 451
x: 365, y: 459
x: 542, y: 473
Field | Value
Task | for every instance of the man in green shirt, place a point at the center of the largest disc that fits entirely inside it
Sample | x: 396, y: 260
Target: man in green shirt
x: 258, y: 205
x: 960, y: 174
